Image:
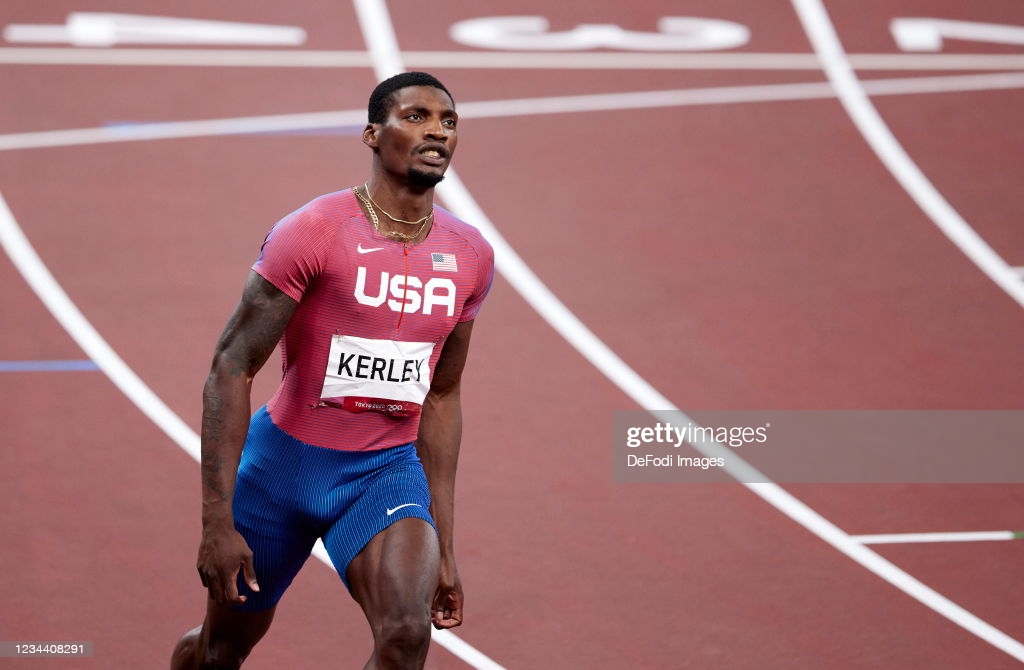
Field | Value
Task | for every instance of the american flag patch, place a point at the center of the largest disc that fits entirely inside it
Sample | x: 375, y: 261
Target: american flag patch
x: 444, y: 262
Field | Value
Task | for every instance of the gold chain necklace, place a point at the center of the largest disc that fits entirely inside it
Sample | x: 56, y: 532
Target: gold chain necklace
x: 417, y: 222
x: 394, y: 234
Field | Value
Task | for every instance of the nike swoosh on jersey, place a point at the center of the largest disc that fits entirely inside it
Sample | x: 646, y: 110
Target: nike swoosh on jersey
x: 393, y: 510
x: 361, y: 250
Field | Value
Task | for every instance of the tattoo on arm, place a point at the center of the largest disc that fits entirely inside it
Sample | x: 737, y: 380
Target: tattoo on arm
x: 213, y: 426
x: 248, y: 340
x: 212, y: 480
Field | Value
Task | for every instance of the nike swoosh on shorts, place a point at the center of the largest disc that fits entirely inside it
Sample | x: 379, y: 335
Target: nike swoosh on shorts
x: 395, y: 509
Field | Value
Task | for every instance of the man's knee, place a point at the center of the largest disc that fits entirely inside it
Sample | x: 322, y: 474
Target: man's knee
x: 232, y: 636
x: 195, y: 651
x: 404, y: 634
x: 222, y: 655
x: 223, y: 642
x: 228, y: 636
x: 184, y: 655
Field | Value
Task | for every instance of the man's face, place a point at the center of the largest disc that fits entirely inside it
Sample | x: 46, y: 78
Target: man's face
x: 418, y: 138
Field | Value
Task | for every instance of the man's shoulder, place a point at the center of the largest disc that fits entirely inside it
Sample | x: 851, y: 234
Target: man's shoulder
x: 467, y: 233
x: 324, y: 215
x: 334, y: 206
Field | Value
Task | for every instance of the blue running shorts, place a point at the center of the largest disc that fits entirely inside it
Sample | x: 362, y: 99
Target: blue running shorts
x: 290, y: 493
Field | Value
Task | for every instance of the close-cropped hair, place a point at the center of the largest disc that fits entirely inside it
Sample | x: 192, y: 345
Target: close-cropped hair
x: 383, y: 97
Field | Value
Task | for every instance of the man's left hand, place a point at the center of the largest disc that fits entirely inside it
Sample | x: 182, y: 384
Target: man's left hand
x: 446, y: 610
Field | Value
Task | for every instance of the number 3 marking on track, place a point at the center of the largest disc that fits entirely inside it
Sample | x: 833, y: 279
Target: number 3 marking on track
x: 530, y: 33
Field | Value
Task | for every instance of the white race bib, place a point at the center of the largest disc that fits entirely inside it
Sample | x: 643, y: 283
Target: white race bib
x: 377, y: 375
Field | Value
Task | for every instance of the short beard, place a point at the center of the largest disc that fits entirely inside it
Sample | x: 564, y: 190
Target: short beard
x: 424, y: 179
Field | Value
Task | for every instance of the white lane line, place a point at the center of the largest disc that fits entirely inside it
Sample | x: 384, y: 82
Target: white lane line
x: 180, y: 129
x: 36, y: 274
x: 947, y: 62
x: 869, y: 122
x: 723, y: 95
x: 525, y: 281
x: 908, y: 538
x: 379, y: 36
x: 597, y: 60
x: 508, y: 108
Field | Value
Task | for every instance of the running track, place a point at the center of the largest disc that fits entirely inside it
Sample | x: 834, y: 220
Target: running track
x: 751, y: 253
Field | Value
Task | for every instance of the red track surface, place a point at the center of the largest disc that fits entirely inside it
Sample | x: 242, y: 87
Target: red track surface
x: 751, y: 255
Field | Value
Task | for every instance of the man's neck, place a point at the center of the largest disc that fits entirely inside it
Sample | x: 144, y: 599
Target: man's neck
x: 400, y: 201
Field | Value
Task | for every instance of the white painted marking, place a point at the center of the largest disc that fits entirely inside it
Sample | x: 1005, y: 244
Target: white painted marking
x: 379, y: 35
x: 39, y: 278
x: 96, y: 29
x: 949, y: 62
x: 459, y: 647
x: 953, y: 83
x: 1020, y: 271
x: 531, y: 33
x: 926, y: 34
x: 729, y: 95
x: 822, y: 35
x: 181, y: 129
x: 507, y: 108
x: 499, y: 60
x: 905, y: 538
x: 888, y: 149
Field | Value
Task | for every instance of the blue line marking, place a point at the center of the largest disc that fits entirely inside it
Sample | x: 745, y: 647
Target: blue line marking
x: 349, y: 131
x: 48, y: 366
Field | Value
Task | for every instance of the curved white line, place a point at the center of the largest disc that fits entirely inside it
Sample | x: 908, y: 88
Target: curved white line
x: 854, y: 99
x: 377, y: 24
x: 39, y: 278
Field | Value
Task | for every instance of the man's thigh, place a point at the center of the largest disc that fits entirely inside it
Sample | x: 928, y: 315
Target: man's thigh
x: 266, y: 513
x: 396, y: 493
x: 396, y: 572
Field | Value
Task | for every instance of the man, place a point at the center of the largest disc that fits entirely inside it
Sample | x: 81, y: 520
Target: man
x: 372, y: 292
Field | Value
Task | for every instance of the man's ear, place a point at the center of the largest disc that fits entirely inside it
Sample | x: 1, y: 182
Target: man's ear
x: 370, y: 135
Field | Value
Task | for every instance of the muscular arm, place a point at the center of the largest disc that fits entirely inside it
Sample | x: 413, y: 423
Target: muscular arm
x: 249, y: 338
x: 437, y: 445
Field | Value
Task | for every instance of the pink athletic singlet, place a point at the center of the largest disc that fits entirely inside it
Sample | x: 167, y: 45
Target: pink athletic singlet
x: 373, y: 315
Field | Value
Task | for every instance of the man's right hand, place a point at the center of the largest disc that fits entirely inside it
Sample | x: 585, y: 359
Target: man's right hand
x: 222, y: 553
